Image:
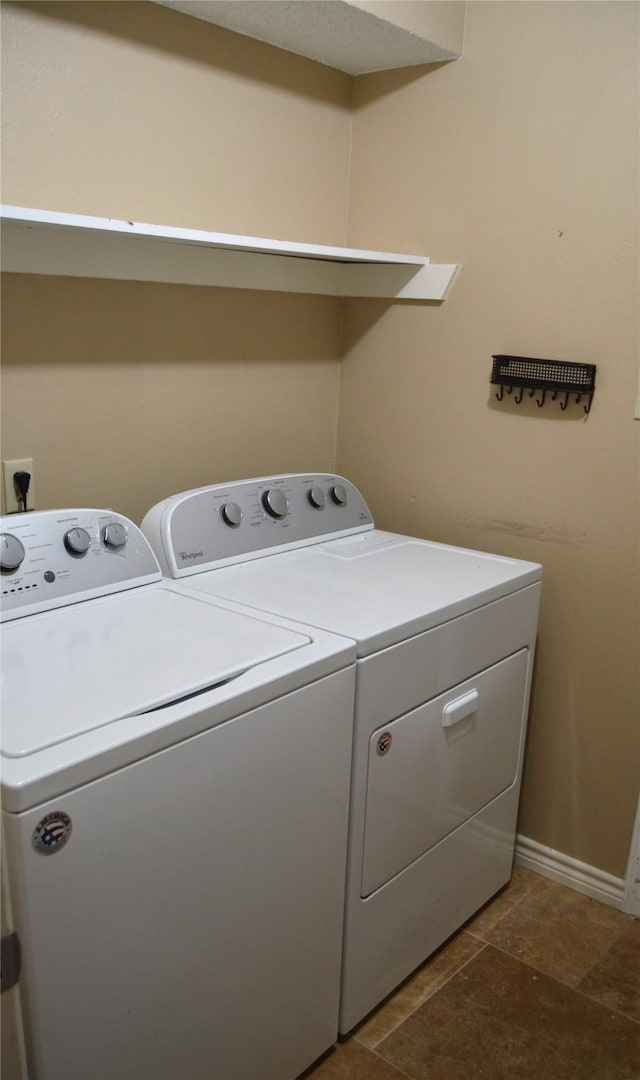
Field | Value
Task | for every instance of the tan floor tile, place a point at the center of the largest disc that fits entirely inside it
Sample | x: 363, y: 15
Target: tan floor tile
x: 558, y: 931
x: 352, y: 1061
x: 521, y: 884
x: 416, y: 990
x: 498, y: 1019
x: 615, y: 980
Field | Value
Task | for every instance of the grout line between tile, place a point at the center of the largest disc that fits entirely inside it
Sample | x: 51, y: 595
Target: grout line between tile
x: 386, y: 1061
x: 567, y: 986
x: 607, y: 1008
x: 478, y: 937
x: 424, y: 1000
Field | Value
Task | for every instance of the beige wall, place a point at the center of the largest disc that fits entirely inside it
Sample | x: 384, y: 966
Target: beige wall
x: 520, y: 161
x: 127, y: 109
x: 123, y: 393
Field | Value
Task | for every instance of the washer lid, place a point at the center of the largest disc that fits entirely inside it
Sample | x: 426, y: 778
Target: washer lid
x: 375, y: 587
x: 76, y: 669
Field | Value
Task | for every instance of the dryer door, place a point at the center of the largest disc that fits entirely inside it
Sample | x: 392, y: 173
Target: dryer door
x: 432, y: 769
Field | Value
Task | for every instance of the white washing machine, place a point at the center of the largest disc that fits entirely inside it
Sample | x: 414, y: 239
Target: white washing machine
x: 175, y: 784
x: 445, y: 642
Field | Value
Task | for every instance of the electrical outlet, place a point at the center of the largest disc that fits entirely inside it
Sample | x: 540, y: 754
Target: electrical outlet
x: 13, y: 505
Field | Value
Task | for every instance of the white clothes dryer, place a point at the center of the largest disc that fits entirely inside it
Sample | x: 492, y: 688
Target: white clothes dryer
x: 445, y: 642
x: 175, y: 784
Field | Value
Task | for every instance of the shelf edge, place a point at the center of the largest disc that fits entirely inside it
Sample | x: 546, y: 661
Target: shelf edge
x: 59, y: 244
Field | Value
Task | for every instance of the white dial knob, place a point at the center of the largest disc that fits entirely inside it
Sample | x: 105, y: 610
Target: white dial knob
x: 77, y: 541
x: 339, y: 494
x: 11, y: 552
x: 231, y: 514
x: 114, y: 535
x: 275, y: 502
x: 316, y: 497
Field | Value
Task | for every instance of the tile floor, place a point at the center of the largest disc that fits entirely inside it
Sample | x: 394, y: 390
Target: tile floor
x: 543, y: 984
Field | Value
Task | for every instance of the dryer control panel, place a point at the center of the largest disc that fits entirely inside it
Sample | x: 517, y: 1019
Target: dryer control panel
x: 229, y: 523
x: 50, y: 558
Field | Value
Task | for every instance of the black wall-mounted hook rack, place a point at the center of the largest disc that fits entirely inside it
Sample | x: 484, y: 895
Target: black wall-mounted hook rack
x: 556, y: 376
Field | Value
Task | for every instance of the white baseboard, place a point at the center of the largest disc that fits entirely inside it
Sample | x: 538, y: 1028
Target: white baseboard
x: 576, y: 875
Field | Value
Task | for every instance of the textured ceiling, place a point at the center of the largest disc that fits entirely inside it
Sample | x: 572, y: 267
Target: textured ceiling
x: 333, y: 32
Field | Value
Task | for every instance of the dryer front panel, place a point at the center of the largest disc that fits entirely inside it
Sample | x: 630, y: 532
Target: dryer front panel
x: 432, y: 769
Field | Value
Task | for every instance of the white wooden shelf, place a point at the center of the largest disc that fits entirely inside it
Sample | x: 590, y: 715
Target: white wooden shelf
x: 73, y: 245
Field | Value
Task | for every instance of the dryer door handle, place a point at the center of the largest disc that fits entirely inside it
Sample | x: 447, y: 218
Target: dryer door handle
x: 460, y: 709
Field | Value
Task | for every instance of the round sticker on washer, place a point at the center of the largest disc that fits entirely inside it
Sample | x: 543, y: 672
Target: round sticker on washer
x: 51, y: 833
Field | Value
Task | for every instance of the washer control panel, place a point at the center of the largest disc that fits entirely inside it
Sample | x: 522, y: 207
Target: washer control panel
x: 50, y: 558
x: 227, y: 523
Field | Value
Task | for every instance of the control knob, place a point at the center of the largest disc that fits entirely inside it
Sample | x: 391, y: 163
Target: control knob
x: 339, y: 494
x: 77, y: 541
x: 316, y: 497
x: 114, y: 535
x: 231, y: 514
x: 11, y: 552
x: 275, y: 502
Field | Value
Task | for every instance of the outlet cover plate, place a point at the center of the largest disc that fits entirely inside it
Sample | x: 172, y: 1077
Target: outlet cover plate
x: 11, y: 500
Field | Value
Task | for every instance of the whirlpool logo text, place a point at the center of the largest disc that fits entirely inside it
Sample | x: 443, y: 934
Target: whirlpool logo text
x: 190, y: 556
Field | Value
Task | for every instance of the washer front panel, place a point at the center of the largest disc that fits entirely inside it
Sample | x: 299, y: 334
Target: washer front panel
x: 194, y: 917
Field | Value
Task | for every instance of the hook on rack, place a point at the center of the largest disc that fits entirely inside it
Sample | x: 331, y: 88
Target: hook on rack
x: 501, y: 394
x: 518, y: 399
x: 564, y: 404
x: 587, y: 407
x: 539, y: 402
